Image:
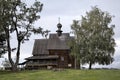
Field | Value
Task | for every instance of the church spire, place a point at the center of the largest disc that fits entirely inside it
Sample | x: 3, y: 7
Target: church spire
x: 59, y: 26
x: 59, y: 20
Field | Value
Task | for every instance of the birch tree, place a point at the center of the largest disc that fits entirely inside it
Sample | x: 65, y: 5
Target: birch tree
x: 95, y: 37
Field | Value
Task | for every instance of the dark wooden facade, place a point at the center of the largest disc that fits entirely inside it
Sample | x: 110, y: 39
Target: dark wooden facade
x: 63, y: 59
x: 53, y: 52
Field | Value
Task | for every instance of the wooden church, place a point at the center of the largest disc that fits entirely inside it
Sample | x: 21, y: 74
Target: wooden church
x: 53, y: 52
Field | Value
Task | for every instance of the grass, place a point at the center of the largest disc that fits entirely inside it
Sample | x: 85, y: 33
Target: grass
x: 61, y: 75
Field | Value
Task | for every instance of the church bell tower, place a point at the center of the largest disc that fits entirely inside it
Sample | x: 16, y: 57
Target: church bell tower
x: 59, y: 26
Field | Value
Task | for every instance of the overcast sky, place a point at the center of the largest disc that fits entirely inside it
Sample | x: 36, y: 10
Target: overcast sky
x: 69, y: 10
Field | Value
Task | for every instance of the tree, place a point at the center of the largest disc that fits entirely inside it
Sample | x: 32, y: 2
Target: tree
x: 6, y: 63
x: 75, y: 48
x: 2, y: 43
x: 95, y: 37
x: 17, y: 22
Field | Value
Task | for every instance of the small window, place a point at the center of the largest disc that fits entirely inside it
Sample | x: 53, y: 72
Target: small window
x: 62, y: 58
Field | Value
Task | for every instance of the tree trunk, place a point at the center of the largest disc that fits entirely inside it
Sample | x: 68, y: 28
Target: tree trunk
x: 90, y: 65
x: 9, y: 49
x: 13, y: 64
x: 75, y: 63
x: 14, y: 68
x: 80, y: 64
x: 18, y: 53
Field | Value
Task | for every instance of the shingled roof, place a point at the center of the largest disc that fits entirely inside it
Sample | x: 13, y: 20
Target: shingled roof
x: 40, y: 47
x: 44, y: 57
x: 55, y: 42
x: 58, y: 42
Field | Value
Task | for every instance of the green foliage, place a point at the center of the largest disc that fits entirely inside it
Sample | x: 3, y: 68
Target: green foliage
x: 74, y: 49
x: 17, y: 18
x: 94, y: 34
x: 62, y: 75
x: 2, y: 43
x: 75, y: 46
x: 6, y: 63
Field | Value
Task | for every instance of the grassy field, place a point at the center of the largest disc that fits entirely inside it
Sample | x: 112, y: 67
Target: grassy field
x: 62, y: 75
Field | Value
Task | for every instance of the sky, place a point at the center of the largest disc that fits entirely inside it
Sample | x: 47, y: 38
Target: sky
x: 69, y: 10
